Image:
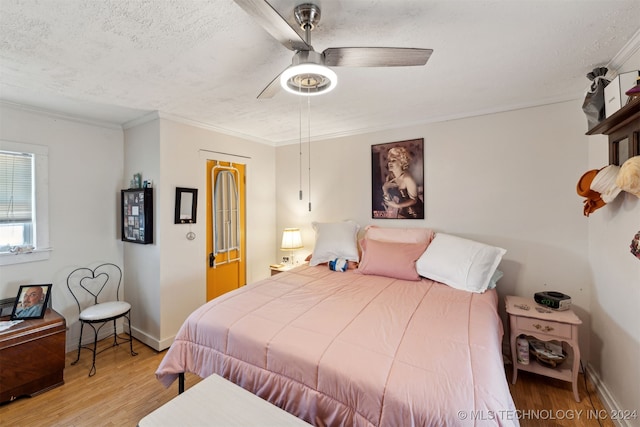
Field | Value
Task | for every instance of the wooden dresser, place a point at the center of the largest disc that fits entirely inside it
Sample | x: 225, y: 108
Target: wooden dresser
x: 32, y: 356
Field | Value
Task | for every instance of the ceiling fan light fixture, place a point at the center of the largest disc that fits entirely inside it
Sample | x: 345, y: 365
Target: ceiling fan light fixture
x: 308, y: 79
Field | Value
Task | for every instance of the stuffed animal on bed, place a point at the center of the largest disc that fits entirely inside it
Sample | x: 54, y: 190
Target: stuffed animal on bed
x: 339, y: 264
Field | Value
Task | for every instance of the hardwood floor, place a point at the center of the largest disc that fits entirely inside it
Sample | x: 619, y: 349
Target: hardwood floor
x: 122, y: 392
x: 125, y: 389
x: 543, y: 401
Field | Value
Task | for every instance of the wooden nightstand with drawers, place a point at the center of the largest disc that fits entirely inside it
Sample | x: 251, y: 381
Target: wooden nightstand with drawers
x: 545, y: 325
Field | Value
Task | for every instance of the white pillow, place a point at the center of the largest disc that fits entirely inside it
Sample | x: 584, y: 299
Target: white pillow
x: 460, y: 263
x: 493, y: 282
x: 335, y: 240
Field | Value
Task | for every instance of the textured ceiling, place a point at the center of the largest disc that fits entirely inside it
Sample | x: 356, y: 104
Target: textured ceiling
x: 206, y: 61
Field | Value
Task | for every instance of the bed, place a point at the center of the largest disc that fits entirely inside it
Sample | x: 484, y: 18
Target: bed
x: 351, y: 348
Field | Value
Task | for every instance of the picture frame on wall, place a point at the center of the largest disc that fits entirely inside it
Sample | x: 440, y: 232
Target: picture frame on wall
x: 32, y: 302
x: 397, y: 180
x: 186, y: 205
x: 137, y: 215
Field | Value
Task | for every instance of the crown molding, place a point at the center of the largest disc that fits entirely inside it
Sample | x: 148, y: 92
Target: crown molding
x: 59, y: 116
x: 155, y: 115
x: 435, y: 119
x: 146, y: 118
x: 628, y: 50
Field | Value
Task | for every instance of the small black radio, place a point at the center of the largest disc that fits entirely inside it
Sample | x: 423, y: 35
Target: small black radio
x: 552, y: 299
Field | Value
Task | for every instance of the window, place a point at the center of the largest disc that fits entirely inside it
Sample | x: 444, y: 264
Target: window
x: 24, y: 224
x: 16, y: 200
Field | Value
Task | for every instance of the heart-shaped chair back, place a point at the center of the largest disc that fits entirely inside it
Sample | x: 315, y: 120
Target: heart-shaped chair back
x: 92, y: 286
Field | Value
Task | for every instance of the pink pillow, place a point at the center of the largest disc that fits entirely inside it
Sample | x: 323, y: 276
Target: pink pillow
x: 391, y: 259
x: 400, y: 235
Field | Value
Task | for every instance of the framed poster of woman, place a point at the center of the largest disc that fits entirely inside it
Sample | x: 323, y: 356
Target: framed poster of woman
x: 397, y: 180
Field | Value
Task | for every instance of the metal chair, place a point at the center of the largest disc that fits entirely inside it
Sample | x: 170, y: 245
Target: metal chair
x: 97, y: 294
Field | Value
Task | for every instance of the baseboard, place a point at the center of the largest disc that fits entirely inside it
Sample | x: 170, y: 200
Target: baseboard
x: 607, y: 399
x: 154, y: 343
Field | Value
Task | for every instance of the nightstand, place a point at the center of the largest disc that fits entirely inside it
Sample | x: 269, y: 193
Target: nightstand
x: 279, y: 268
x: 546, y: 326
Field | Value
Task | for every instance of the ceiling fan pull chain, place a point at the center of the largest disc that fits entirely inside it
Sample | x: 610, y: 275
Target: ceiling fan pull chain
x: 307, y: 33
x: 300, y: 149
x: 309, y: 131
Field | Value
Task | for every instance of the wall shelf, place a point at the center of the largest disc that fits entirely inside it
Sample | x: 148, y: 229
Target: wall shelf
x: 623, y: 129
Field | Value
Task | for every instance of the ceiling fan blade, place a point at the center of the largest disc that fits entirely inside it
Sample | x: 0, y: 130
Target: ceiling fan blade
x: 375, y: 56
x: 265, y: 15
x: 271, y: 89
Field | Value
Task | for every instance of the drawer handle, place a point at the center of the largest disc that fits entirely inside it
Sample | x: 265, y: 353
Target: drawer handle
x: 543, y: 328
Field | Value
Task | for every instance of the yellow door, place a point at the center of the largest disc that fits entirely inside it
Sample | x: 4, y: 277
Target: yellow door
x: 226, y: 253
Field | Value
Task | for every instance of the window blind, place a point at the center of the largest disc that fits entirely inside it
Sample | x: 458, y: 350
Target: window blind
x: 16, y: 187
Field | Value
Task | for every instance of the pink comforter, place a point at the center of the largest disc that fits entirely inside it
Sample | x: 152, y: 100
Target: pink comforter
x: 350, y: 349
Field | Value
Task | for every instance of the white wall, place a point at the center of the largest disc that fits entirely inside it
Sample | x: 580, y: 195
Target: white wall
x: 142, y: 262
x: 170, y: 275
x: 85, y: 177
x: 615, y: 344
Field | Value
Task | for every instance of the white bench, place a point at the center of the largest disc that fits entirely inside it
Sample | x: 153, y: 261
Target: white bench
x: 215, y: 401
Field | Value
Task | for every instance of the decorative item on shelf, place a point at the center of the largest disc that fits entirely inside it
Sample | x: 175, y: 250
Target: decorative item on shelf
x: 136, y: 182
x: 594, y: 102
x: 615, y: 93
x: 291, y: 240
x: 634, y: 92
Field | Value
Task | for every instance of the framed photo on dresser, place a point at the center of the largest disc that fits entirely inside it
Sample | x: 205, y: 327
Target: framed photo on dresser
x: 32, y: 302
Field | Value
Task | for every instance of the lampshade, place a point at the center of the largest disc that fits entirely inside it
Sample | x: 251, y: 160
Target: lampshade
x: 291, y: 239
x: 308, y: 79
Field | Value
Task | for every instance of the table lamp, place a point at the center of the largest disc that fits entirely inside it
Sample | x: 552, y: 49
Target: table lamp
x: 291, y: 240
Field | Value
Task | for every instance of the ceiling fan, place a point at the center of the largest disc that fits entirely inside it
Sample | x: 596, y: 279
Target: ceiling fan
x: 309, y: 73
